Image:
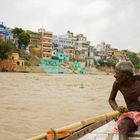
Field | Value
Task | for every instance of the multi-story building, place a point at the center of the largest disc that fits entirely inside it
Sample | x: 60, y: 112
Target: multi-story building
x: 103, y: 50
x: 70, y: 51
x: 35, y: 43
x: 35, y: 39
x: 46, y: 43
x: 90, y: 58
x: 41, y: 43
x: 81, y: 42
x: 61, y: 41
x: 76, y: 46
x: 81, y: 45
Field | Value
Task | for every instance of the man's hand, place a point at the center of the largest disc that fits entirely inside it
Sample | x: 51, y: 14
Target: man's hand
x: 122, y: 109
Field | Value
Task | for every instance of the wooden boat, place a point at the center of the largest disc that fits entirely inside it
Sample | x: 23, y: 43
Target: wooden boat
x: 99, y: 128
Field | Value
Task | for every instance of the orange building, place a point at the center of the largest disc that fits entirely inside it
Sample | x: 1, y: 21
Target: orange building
x: 46, y: 43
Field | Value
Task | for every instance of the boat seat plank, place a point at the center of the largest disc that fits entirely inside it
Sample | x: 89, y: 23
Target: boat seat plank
x: 94, y: 137
x: 109, y: 137
x: 115, y: 137
x: 107, y: 128
x: 105, y: 132
x: 134, y: 138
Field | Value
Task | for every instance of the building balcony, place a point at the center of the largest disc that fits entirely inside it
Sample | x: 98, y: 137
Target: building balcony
x: 46, y: 45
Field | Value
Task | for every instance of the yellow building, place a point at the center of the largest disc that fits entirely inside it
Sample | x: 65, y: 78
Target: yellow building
x: 118, y: 54
x: 17, y: 62
x: 35, y: 39
x: 35, y: 43
x: 35, y: 51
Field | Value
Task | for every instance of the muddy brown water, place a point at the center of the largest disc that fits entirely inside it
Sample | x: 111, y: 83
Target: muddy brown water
x: 32, y: 103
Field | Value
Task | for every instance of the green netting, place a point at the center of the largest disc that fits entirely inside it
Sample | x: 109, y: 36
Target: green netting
x: 82, y: 71
x: 49, y: 61
x: 52, y: 69
x: 58, y: 66
x: 76, y: 64
x: 62, y: 56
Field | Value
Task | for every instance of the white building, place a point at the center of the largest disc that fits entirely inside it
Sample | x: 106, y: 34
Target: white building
x: 61, y: 41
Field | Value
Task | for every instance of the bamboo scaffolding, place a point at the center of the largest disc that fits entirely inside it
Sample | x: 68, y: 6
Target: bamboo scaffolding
x: 78, y: 125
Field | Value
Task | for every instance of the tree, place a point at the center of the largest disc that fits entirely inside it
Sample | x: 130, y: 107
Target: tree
x: 111, y: 63
x: 22, y: 36
x: 134, y: 59
x: 102, y: 62
x: 108, y: 63
x: 5, y: 49
x: 17, y: 31
x: 24, y: 40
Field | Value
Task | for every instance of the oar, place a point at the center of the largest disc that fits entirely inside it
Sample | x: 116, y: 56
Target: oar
x: 78, y: 125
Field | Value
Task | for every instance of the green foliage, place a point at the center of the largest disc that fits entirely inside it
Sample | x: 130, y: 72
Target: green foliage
x: 31, y: 60
x: 23, y: 37
x: 134, y: 59
x: 6, y: 48
x: 24, y: 40
x: 111, y: 63
x: 107, y: 63
x: 102, y: 62
x: 17, y: 31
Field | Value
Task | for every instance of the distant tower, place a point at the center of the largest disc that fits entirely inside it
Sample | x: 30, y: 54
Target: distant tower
x: 90, y: 57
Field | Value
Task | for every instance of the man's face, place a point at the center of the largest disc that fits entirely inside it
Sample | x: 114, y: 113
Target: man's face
x: 120, y: 76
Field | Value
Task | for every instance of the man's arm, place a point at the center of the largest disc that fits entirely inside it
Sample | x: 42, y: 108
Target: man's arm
x: 112, y: 100
x: 112, y: 97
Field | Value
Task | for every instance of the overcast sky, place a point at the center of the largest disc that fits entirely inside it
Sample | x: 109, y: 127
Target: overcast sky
x: 116, y: 22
